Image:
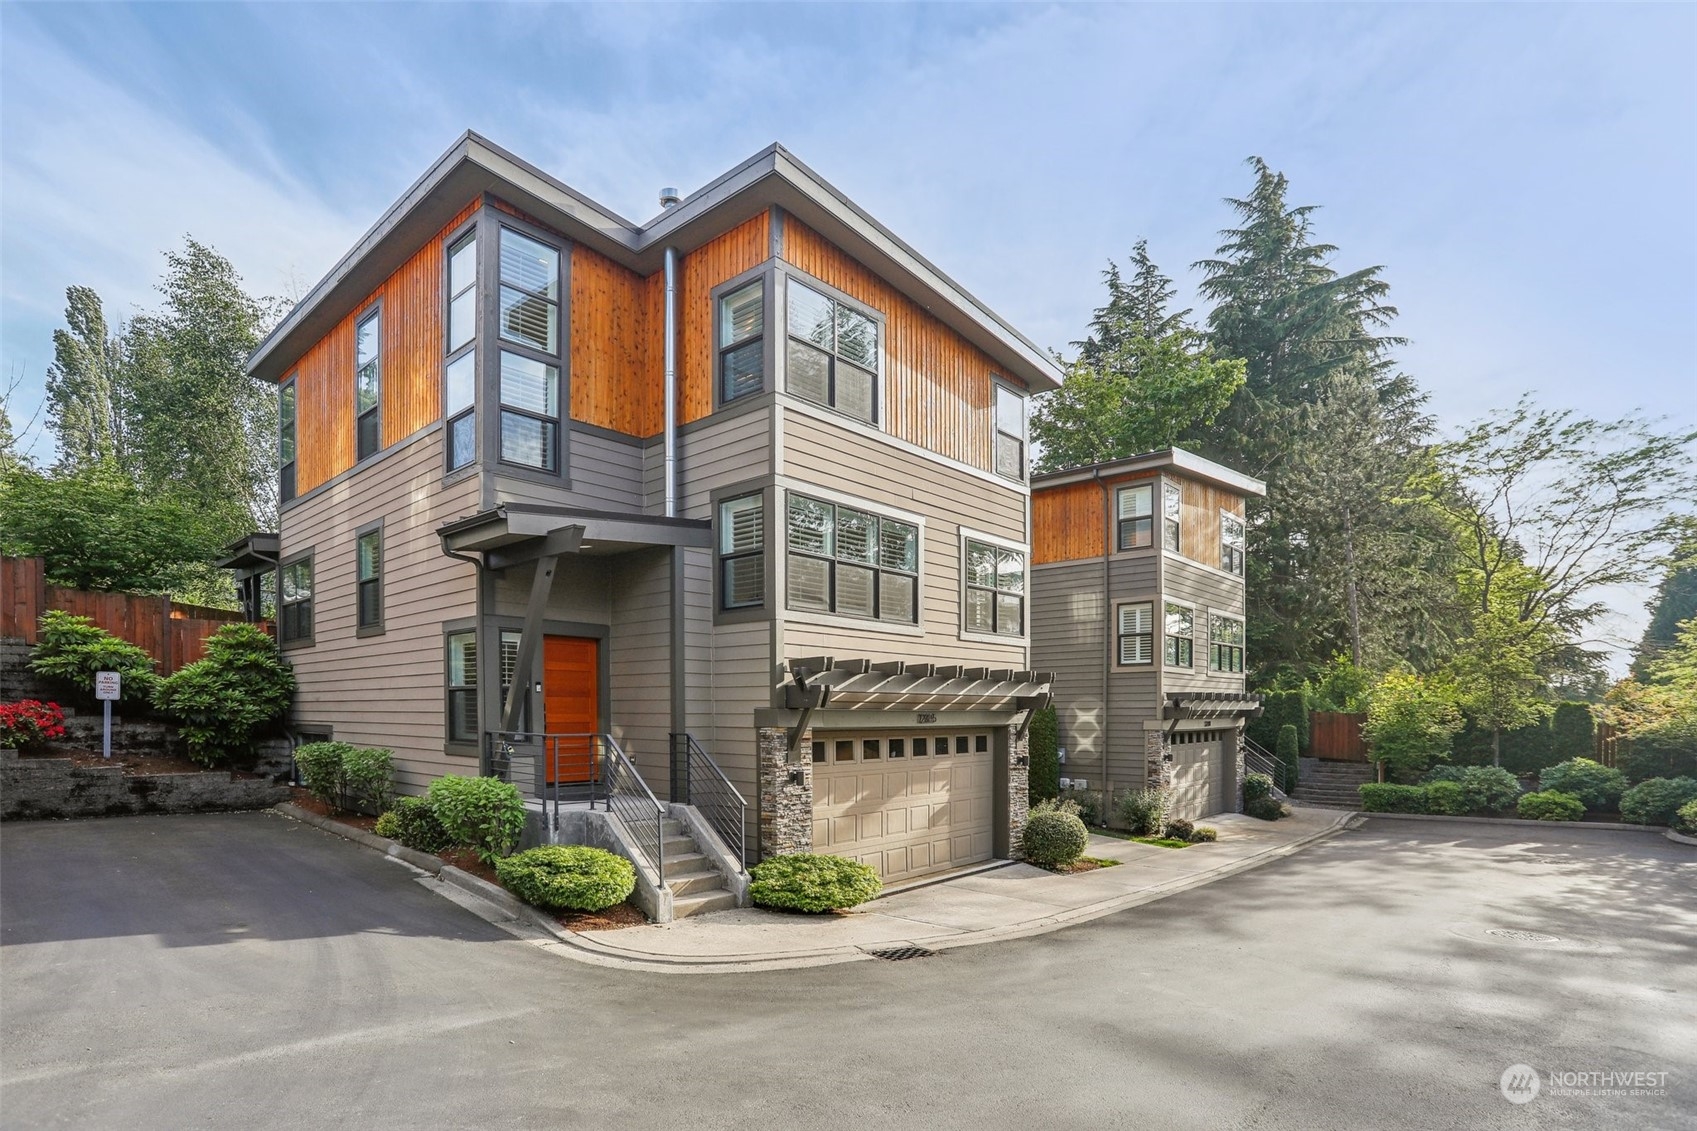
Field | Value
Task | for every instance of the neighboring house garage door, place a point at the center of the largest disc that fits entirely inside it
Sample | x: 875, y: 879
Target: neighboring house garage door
x: 906, y: 804
x: 1199, y: 776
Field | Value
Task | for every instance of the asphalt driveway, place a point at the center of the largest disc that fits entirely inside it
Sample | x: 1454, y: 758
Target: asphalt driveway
x: 248, y: 971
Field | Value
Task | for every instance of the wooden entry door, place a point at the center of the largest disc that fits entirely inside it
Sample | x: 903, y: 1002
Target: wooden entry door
x: 571, y: 705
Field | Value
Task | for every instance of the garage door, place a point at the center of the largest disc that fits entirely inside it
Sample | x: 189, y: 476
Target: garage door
x: 1199, y: 776
x: 906, y: 804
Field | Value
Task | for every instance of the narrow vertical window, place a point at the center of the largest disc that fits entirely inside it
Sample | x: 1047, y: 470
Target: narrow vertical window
x: 995, y: 589
x: 459, y: 374
x: 742, y: 552
x: 294, y: 602
x: 1172, y: 505
x: 530, y: 371
x: 1181, y: 635
x: 1225, y: 653
x: 1137, y: 633
x: 742, y: 349
x: 286, y: 440
x: 832, y: 356
x: 462, y: 687
x: 1010, y: 433
x: 368, y: 552
x: 1231, y: 544
x: 509, y: 656
x: 368, y: 385
x: 1135, y: 517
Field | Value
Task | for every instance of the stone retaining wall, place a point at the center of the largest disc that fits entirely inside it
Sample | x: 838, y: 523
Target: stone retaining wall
x: 55, y: 787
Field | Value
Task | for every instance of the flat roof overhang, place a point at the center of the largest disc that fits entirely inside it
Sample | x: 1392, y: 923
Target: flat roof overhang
x: 512, y: 533
x: 258, y: 551
x: 1189, y: 463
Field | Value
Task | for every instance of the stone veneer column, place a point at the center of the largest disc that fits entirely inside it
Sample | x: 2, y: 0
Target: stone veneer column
x: 1019, y: 786
x: 786, y: 807
x: 1159, y: 774
x: 1236, y: 798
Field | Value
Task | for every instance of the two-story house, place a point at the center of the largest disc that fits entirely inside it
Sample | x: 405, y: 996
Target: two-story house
x: 1138, y: 609
x: 740, y: 490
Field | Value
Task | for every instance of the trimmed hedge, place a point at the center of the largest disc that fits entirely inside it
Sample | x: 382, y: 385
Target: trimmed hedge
x: 1052, y: 839
x: 344, y: 776
x: 1655, y: 802
x: 319, y: 767
x: 1280, y: 709
x: 1446, y: 799
x: 485, y: 814
x: 1290, y: 757
x: 1596, y: 785
x: 1573, y: 733
x: 1256, y: 786
x: 1044, y: 781
x: 810, y: 882
x: 1550, y: 805
x: 562, y: 877
x: 1685, y: 821
x: 1383, y: 797
x: 413, y: 822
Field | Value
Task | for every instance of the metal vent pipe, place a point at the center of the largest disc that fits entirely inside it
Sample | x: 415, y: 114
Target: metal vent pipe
x: 671, y: 379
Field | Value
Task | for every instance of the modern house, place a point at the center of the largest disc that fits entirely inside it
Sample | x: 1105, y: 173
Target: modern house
x: 734, y: 499
x: 1138, y: 608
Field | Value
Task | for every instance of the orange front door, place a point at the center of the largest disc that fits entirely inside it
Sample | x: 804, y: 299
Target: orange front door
x: 571, y: 705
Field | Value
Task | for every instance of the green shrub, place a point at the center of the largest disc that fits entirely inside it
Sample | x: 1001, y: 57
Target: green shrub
x: 1204, y: 834
x: 388, y: 825
x: 319, y: 767
x: 1256, y: 786
x: 1053, y: 839
x: 1550, y: 805
x: 229, y: 699
x: 70, y: 649
x: 415, y: 825
x: 1279, y: 709
x: 1384, y: 797
x: 1087, y: 803
x: 1685, y: 820
x: 1266, y: 808
x: 1290, y: 757
x: 1489, y: 789
x: 1445, y: 798
x: 1179, y: 827
x: 1573, y: 733
x: 1045, y: 770
x: 809, y: 882
x: 484, y: 814
x: 1057, y: 805
x: 561, y: 877
x: 1666, y: 750
x: 1655, y: 802
x: 1410, y: 722
x: 368, y: 778
x: 1144, y: 811
x: 1341, y: 686
x: 1596, y: 785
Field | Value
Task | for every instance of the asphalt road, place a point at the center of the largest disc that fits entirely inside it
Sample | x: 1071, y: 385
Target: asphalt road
x: 247, y: 971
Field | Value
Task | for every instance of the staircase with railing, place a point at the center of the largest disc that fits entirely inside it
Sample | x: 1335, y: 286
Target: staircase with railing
x: 697, y: 780
x: 1257, y: 760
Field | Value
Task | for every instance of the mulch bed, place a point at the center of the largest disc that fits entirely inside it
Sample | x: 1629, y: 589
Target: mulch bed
x: 1082, y: 864
x: 311, y: 804
x: 608, y: 919
x: 132, y: 764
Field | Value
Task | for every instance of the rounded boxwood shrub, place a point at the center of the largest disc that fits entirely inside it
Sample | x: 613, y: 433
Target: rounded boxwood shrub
x: 1266, y: 808
x: 1385, y: 797
x: 1655, y: 802
x: 413, y: 822
x: 1446, y: 799
x: 1053, y: 839
x: 1256, y: 786
x: 1489, y: 789
x: 485, y: 814
x: 567, y: 877
x: 1204, y: 834
x: 1180, y: 828
x: 811, y: 882
x: 1596, y: 785
x: 1549, y: 805
x: 1685, y: 821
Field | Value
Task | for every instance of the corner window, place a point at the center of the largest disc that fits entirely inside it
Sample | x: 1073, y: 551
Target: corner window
x: 294, y: 602
x: 368, y: 385
x: 530, y: 293
x: 742, y: 552
x: 1225, y: 651
x: 1231, y: 544
x: 459, y: 375
x: 462, y: 687
x: 851, y: 562
x: 530, y: 412
x: 368, y: 567
x: 832, y: 356
x: 530, y: 370
x: 286, y: 440
x: 1137, y: 633
x: 742, y: 349
x: 1180, y: 635
x: 1010, y: 433
x: 1133, y: 506
x: 1172, y: 505
x: 995, y: 589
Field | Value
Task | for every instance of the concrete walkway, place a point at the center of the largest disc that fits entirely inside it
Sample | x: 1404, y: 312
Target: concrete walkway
x: 1004, y: 903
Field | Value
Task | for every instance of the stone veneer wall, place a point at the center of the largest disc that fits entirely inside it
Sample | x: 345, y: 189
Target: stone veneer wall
x: 1235, y: 799
x: 54, y: 787
x: 786, y: 807
x: 1160, y: 770
x: 1019, y: 787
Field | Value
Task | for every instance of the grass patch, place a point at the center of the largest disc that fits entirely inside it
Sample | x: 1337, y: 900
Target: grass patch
x: 1162, y: 841
x: 1116, y: 834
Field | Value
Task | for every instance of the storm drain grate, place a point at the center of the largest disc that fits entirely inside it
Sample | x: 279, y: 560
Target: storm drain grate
x: 901, y: 953
x: 1520, y: 936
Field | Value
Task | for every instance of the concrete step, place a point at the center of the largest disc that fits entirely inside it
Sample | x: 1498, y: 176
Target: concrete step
x: 1333, y: 794
x: 686, y: 863
x: 671, y: 827
x: 685, y: 906
x: 678, y: 844
x: 694, y: 883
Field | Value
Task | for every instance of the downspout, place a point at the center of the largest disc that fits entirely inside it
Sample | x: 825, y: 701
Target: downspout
x: 670, y: 438
x: 1109, y: 629
x: 679, y: 611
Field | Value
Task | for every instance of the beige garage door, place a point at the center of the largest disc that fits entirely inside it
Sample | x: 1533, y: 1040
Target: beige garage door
x: 1199, y: 777
x: 906, y: 804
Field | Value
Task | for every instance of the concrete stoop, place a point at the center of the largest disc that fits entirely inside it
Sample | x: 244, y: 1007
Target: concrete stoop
x: 697, y: 885
x: 1332, y: 785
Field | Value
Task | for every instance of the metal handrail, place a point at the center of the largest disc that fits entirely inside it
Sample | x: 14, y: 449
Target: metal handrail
x: 625, y: 794
x: 1256, y: 759
x: 697, y: 780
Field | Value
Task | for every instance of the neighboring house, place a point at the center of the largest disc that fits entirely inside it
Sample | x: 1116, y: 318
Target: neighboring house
x: 1138, y: 609
x: 558, y: 486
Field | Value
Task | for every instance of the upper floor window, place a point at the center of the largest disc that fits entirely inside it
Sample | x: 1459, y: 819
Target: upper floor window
x: 742, y: 348
x: 995, y: 589
x: 286, y: 439
x: 1231, y: 544
x: 294, y: 601
x: 1137, y: 632
x: 459, y: 375
x: 462, y: 292
x: 832, y: 357
x: 530, y: 374
x: 1181, y: 635
x: 368, y: 574
x: 848, y: 561
x: 1010, y: 433
x: 1172, y: 506
x: 1136, y: 519
x: 368, y: 385
x: 742, y: 552
x: 1225, y: 653
x: 530, y: 292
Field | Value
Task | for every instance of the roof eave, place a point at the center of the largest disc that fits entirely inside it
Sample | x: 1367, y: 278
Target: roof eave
x: 1189, y: 463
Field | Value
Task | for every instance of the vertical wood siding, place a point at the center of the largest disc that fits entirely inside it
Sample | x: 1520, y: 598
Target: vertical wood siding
x: 1068, y: 522
x: 739, y: 249
x: 1199, y: 519
x: 938, y: 391
x: 615, y: 376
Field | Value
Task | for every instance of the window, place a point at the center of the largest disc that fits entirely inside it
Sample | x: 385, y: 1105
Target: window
x: 294, y: 607
x: 1181, y: 635
x: 286, y: 439
x: 459, y: 375
x: 509, y: 653
x: 995, y: 589
x: 368, y: 552
x: 1172, y: 504
x: 742, y: 552
x: 368, y: 385
x: 1231, y: 544
x: 462, y: 687
x: 530, y: 373
x: 1010, y: 433
x: 847, y: 561
x: 742, y: 349
x: 833, y: 353
x: 1225, y: 643
x: 1136, y: 520
x: 1137, y: 633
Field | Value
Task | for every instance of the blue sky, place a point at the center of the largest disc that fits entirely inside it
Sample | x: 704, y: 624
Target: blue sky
x: 1527, y: 175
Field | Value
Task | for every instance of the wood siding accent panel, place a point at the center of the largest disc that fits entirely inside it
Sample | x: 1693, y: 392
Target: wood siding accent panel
x: 938, y: 391
x: 744, y: 246
x: 616, y: 381
x: 1067, y: 523
x: 411, y: 359
x: 1200, y: 505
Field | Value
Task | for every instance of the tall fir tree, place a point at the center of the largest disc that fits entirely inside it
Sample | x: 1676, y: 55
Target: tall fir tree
x: 1674, y: 603
x: 86, y: 402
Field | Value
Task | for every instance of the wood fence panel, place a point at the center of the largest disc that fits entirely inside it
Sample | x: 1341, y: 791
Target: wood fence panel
x: 1607, y: 743
x: 1336, y: 737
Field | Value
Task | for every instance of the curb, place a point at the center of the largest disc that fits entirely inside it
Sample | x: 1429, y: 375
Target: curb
x: 1681, y: 838
x: 423, y: 861
x: 1615, y: 826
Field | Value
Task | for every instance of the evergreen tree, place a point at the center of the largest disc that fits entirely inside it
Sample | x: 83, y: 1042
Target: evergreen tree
x: 1139, y: 309
x: 1675, y: 602
x: 85, y: 387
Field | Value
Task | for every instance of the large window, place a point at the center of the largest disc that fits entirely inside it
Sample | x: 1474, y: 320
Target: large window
x: 1137, y: 633
x: 1133, y: 506
x: 1225, y: 653
x: 1231, y: 544
x: 368, y: 571
x: 995, y: 589
x: 851, y: 562
x: 742, y: 552
x: 294, y: 604
x: 1010, y: 433
x: 530, y: 370
x: 462, y: 687
x: 1172, y: 506
x: 832, y: 358
x: 1180, y: 635
x: 742, y: 348
x: 368, y: 385
x: 286, y: 439
x: 459, y: 375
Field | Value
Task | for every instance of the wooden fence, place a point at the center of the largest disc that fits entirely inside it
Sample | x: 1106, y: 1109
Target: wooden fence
x: 171, y: 633
x: 1336, y: 737
x: 1607, y: 743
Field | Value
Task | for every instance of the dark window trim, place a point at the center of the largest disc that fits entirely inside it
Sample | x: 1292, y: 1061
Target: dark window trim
x: 790, y: 274
x: 472, y: 227
x: 1175, y: 523
x: 1121, y: 636
x: 490, y: 358
x: 998, y: 382
x: 1233, y: 559
x: 1121, y: 525
x: 375, y: 310
x: 767, y: 274
x: 286, y: 469
x: 1188, y: 649
x: 452, y: 745
x: 878, y: 568
x: 377, y: 628
x: 1232, y: 652
x: 311, y: 602
x: 967, y: 538
x: 720, y: 557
